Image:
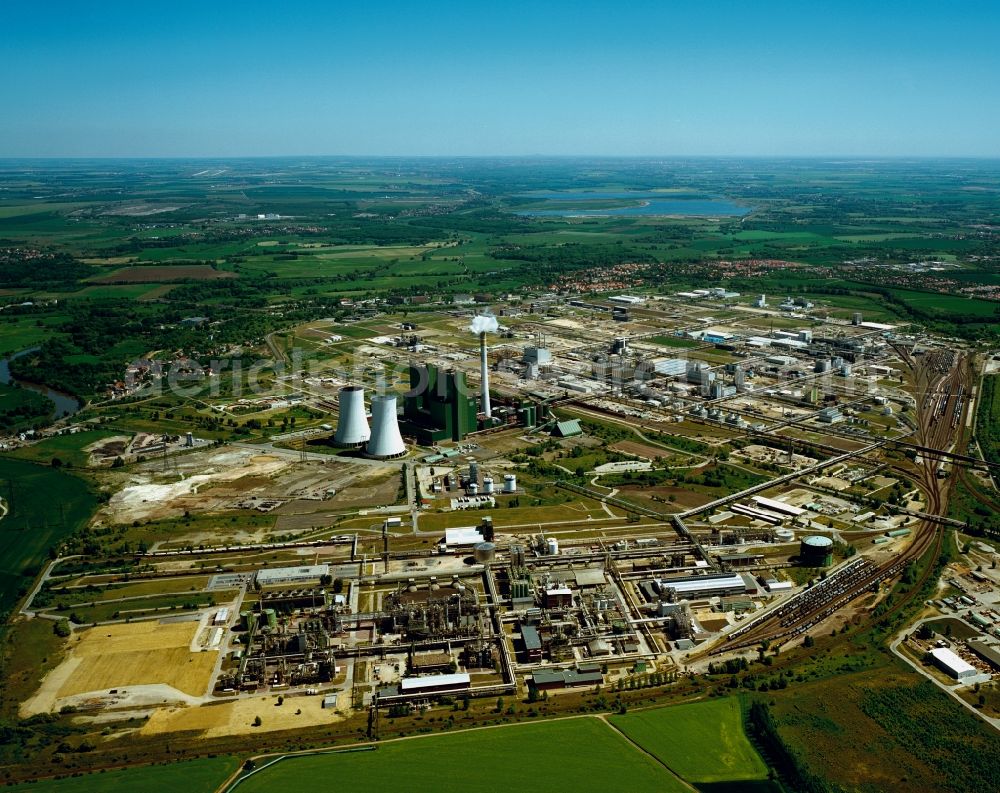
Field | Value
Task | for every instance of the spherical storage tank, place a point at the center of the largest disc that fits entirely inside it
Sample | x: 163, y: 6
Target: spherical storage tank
x: 816, y: 551
x: 484, y: 552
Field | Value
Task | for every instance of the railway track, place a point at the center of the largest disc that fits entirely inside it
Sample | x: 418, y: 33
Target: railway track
x: 942, y: 377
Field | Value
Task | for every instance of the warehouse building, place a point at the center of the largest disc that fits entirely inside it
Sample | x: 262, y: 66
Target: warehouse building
x: 545, y: 679
x: 989, y: 653
x: 703, y: 586
x: 435, y: 684
x: 276, y: 576
x: 950, y: 663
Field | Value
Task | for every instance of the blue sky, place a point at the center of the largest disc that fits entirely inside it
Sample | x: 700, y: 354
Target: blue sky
x: 506, y: 78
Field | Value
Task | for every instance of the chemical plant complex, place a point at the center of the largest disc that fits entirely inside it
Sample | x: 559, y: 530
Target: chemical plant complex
x: 554, y: 493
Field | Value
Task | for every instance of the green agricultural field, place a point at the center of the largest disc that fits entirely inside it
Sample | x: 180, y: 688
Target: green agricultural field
x: 674, y: 341
x: 193, y: 776
x: 22, y: 333
x: 137, y: 608
x: 988, y: 418
x: 35, y: 520
x: 22, y: 408
x: 69, y: 449
x: 700, y: 741
x: 580, y: 754
x: 885, y: 728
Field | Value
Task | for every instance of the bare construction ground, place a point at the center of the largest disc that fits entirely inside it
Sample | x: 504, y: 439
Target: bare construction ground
x: 120, y: 656
x: 217, y: 480
x: 236, y: 717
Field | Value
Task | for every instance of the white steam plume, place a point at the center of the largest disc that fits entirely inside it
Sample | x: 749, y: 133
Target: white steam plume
x: 483, y: 323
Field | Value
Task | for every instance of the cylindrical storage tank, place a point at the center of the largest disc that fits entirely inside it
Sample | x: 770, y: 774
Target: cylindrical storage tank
x: 272, y: 618
x: 487, y: 485
x: 822, y: 365
x: 846, y: 370
x: 484, y: 552
x: 887, y: 410
x: 552, y: 546
x: 509, y: 483
x: 472, y: 489
x: 784, y: 535
x: 385, y: 442
x: 816, y: 551
x: 352, y: 424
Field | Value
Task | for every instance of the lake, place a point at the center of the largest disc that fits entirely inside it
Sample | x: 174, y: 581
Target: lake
x: 647, y: 204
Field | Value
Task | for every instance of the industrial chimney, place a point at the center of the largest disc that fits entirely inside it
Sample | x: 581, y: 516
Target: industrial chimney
x: 352, y: 425
x: 481, y: 325
x: 386, y: 442
x: 484, y: 375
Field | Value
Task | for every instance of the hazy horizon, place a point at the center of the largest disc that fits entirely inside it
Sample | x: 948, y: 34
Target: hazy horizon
x: 444, y: 79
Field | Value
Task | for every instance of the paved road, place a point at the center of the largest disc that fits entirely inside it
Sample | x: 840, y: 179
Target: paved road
x: 38, y: 586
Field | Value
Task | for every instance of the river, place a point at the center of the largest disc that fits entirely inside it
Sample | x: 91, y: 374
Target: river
x: 65, y: 404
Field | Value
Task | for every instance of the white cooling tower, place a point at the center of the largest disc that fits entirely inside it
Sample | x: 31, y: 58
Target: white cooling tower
x: 385, y: 442
x: 352, y: 425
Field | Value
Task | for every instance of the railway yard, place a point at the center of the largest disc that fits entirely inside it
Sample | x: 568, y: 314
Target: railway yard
x: 653, y: 488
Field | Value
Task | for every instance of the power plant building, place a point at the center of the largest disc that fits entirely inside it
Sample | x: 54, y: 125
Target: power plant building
x: 438, y: 406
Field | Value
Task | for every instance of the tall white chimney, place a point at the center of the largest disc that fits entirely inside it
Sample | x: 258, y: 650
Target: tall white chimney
x: 385, y: 442
x: 484, y: 376
x: 352, y: 425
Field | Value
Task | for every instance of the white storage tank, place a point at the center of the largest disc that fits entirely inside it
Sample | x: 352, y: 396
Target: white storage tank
x: 552, y: 546
x: 484, y: 552
x: 487, y: 485
x: 509, y: 483
x: 472, y: 489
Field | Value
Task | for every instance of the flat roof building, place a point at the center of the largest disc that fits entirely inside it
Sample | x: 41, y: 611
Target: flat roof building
x: 435, y: 683
x: 565, y: 678
x: 952, y: 664
x: 532, y: 642
x: 464, y: 536
x: 287, y: 575
x: 696, y: 586
x: 987, y: 652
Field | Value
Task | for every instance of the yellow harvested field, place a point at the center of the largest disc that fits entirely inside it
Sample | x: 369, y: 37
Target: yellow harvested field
x: 235, y: 717
x: 138, y: 653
